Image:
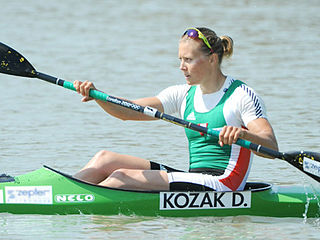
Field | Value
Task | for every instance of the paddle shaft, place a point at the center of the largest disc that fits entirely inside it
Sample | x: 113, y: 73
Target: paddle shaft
x: 149, y: 111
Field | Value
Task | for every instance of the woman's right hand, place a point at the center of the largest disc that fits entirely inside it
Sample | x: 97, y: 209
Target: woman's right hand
x: 84, y: 88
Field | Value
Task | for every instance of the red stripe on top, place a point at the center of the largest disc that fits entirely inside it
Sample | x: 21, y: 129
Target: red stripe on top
x: 235, y: 178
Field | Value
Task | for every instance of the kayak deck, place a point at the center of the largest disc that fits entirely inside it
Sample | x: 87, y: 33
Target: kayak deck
x: 48, y: 191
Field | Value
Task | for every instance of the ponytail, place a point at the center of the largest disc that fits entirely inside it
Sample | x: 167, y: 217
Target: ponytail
x: 227, y: 45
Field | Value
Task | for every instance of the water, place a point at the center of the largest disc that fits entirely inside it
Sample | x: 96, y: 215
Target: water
x: 129, y: 49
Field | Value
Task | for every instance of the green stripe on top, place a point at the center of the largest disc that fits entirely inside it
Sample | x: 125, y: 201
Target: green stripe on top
x: 205, y: 151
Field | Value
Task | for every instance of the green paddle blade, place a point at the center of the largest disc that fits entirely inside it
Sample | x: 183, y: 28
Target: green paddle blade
x: 13, y: 63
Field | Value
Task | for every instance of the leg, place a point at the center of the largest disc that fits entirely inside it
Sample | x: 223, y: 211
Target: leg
x: 104, y: 163
x: 132, y: 179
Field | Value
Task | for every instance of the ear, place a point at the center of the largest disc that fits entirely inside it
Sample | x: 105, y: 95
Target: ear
x: 213, y: 58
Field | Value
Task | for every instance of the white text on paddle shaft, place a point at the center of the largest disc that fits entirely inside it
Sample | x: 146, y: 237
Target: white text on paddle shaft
x: 123, y: 103
x: 204, y: 200
x: 74, y: 198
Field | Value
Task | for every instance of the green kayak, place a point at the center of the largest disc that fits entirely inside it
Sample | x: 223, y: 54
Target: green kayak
x: 48, y: 191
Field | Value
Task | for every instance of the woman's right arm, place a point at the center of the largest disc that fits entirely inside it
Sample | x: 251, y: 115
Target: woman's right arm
x: 124, y: 113
x: 118, y: 111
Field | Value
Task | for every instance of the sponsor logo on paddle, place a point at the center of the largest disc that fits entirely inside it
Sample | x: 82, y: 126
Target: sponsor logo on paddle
x: 311, y: 166
x: 1, y: 196
x: 204, y: 200
x: 71, y: 198
x: 28, y: 195
x: 123, y: 103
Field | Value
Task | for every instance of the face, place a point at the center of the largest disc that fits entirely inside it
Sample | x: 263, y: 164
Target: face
x: 195, y: 65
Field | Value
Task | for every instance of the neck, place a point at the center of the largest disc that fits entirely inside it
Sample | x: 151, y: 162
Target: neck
x: 213, y: 84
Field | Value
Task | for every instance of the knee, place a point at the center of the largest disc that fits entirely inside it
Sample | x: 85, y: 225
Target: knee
x: 117, y: 179
x: 104, y: 161
x: 120, y: 174
x: 104, y: 156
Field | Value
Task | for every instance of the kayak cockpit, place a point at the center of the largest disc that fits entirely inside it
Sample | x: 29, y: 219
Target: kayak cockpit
x: 250, y: 186
x: 257, y: 186
x: 6, y: 178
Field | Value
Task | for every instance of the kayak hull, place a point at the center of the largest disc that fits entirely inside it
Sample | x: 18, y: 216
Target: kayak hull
x: 47, y: 191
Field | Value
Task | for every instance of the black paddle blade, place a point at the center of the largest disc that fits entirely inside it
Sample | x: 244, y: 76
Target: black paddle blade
x: 13, y: 63
x: 308, y: 162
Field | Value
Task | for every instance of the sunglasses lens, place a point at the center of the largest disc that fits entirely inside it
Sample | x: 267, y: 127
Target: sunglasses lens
x: 192, y: 33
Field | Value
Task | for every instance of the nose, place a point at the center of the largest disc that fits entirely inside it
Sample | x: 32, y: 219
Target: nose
x: 182, y: 66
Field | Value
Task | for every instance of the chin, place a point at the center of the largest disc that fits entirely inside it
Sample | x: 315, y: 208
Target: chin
x: 191, y: 83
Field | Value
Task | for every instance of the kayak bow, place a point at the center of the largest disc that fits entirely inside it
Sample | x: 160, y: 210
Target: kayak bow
x: 48, y: 191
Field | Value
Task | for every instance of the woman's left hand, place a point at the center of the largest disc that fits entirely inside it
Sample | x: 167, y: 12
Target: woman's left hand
x: 229, y: 135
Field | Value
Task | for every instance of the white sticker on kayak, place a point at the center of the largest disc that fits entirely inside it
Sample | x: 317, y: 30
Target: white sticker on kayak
x: 72, y: 198
x: 204, y: 200
x: 1, y: 196
x: 29, y: 195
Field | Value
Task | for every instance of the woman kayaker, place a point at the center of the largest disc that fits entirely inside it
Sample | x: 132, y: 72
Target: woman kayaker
x: 208, y: 98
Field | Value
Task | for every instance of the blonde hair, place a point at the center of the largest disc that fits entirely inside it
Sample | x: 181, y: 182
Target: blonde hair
x: 227, y: 44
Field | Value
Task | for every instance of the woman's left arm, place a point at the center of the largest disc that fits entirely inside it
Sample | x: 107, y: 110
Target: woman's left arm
x: 259, y: 132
